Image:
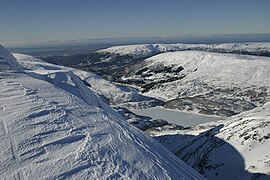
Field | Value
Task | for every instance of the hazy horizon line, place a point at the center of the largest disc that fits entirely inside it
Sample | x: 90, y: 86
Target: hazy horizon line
x: 115, y: 39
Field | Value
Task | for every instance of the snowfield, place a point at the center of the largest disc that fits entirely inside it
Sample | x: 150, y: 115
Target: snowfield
x: 55, y: 127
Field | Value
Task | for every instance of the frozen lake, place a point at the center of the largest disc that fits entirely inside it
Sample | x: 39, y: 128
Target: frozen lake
x: 177, y: 117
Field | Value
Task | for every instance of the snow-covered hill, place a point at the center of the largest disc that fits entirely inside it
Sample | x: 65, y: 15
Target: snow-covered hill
x: 144, y: 50
x: 53, y: 126
x: 204, y: 82
x: 236, y: 148
x: 114, y: 62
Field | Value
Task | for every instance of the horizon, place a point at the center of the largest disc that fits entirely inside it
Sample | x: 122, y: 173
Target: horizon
x: 66, y: 20
x: 182, y: 39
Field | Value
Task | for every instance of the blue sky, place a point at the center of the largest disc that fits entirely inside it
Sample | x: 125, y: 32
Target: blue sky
x: 47, y: 20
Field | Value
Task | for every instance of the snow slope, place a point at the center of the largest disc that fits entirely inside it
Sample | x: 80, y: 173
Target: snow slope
x: 237, y: 148
x: 215, y: 68
x: 54, y: 127
x: 206, y: 82
x: 11, y: 64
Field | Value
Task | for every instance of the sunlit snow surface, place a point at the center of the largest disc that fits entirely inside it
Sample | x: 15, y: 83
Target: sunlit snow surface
x: 143, y: 50
x: 53, y: 127
x: 236, y: 148
x: 213, y: 69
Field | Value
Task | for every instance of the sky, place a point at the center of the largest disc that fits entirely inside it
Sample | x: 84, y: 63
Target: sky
x: 23, y: 21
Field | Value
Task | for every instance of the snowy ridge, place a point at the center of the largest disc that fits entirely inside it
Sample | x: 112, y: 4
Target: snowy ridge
x: 7, y: 61
x: 53, y: 127
x: 136, y: 50
x: 144, y: 50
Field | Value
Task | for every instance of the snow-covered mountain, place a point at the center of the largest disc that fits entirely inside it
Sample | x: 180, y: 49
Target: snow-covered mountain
x: 144, y: 50
x: 55, y: 127
x: 112, y: 63
x: 204, y: 82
